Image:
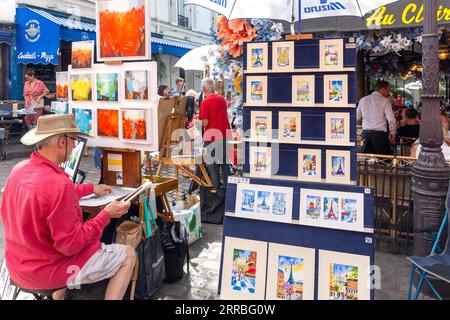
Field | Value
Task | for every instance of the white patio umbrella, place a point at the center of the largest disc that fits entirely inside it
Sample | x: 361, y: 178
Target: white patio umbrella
x: 287, y: 10
x: 198, y: 58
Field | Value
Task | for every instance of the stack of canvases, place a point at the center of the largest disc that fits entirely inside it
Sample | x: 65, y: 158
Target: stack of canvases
x: 113, y: 102
x: 297, y: 226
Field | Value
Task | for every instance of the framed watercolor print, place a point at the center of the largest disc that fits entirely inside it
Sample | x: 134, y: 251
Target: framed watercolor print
x: 256, y: 91
x: 331, y: 209
x: 289, y: 127
x: 337, y: 126
x: 62, y: 86
x: 243, y: 269
x: 107, y: 87
x: 81, y: 87
x: 338, y: 166
x: 310, y: 165
x: 257, y: 57
x: 343, y: 276
x: 303, y: 91
x: 261, y: 126
x: 332, y: 55
x: 283, y: 56
x: 335, y: 90
x: 136, y: 85
x: 269, y: 203
x: 134, y: 125
x: 290, y: 273
x: 108, y: 123
x: 116, y: 42
x: 82, y: 54
x: 84, y: 120
x: 261, y: 162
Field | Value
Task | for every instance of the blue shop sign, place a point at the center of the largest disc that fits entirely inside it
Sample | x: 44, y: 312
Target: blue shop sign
x: 38, y: 39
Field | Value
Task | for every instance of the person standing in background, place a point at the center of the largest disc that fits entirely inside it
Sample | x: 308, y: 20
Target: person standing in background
x: 34, y: 91
x: 179, y: 89
x: 214, y: 117
x: 163, y: 91
x: 375, y: 112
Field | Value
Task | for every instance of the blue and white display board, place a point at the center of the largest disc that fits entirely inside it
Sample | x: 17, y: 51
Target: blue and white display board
x: 297, y: 227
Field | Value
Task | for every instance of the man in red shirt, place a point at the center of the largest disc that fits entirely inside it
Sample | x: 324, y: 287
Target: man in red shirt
x: 48, y: 247
x: 214, y: 117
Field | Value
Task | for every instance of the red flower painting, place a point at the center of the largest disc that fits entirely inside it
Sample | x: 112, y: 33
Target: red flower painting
x: 122, y: 33
x: 108, y: 123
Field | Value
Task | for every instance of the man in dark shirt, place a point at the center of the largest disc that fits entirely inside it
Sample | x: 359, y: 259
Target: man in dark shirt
x: 412, y: 127
x: 214, y: 117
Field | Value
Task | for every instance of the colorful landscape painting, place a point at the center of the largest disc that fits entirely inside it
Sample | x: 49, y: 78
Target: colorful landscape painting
x: 336, y: 91
x: 303, y: 91
x: 108, y: 87
x: 290, y: 278
x: 330, y: 208
x: 122, y: 29
x: 263, y: 202
x: 257, y: 57
x: 349, y: 210
x: 283, y: 56
x: 248, y: 200
x: 83, y: 119
x: 337, y: 128
x: 134, y: 124
x: 108, y: 123
x: 62, y: 85
x: 82, y: 54
x: 309, y: 165
x: 338, y: 166
x: 261, y: 126
x: 331, y: 55
x: 243, y: 277
x: 81, y: 86
x: 261, y: 166
x: 289, y: 129
x: 343, y: 282
x: 313, y: 207
x: 257, y: 91
x: 279, y: 204
x: 136, y: 85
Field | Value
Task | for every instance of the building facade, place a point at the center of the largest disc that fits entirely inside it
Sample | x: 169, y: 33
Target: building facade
x: 175, y: 30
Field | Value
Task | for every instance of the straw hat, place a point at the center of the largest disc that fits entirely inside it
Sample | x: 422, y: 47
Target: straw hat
x: 51, y: 125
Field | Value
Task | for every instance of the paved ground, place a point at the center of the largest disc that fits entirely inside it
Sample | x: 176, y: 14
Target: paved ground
x: 202, y: 282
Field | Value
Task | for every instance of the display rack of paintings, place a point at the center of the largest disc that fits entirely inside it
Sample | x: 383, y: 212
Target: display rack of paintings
x: 308, y: 234
x: 123, y: 30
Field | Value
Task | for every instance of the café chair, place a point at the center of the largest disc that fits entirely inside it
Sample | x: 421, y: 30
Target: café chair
x: 38, y: 294
x: 434, y: 266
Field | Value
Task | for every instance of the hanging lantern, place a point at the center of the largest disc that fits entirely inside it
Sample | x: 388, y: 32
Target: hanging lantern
x: 443, y: 52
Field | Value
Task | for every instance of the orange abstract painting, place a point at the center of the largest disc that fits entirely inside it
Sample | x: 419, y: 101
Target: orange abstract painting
x: 108, y: 123
x: 62, y: 85
x: 134, y: 124
x: 122, y: 29
x: 82, y: 54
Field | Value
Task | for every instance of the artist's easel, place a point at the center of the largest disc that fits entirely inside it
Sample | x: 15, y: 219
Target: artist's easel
x: 172, y: 117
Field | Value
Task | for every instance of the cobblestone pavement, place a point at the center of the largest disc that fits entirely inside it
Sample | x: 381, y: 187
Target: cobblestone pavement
x: 202, y: 281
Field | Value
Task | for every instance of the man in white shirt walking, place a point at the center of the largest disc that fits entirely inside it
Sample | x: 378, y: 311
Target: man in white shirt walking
x: 376, y: 113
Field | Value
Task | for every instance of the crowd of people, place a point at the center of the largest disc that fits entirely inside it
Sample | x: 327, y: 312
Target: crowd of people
x: 390, y: 123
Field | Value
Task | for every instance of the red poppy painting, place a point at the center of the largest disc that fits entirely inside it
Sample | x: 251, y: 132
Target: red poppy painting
x: 108, y: 123
x: 122, y: 30
x: 134, y: 124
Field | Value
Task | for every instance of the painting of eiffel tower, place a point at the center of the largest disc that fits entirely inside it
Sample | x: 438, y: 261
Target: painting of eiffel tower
x: 338, y: 166
x: 330, y: 208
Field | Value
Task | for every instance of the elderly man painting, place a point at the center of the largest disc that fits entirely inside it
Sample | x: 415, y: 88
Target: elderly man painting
x: 47, y: 243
